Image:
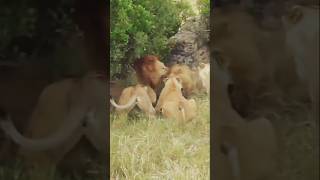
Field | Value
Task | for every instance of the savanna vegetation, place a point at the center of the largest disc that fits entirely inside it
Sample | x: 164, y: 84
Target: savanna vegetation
x: 158, y: 148
x: 45, y: 32
x: 143, y: 148
x: 143, y: 27
x: 204, y: 7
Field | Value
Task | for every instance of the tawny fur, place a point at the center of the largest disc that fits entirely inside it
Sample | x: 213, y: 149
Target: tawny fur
x: 190, y: 80
x: 172, y: 104
x: 150, y: 71
x: 145, y: 97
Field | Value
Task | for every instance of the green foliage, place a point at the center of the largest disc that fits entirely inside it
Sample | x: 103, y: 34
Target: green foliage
x: 204, y: 7
x: 140, y: 27
x: 34, y: 29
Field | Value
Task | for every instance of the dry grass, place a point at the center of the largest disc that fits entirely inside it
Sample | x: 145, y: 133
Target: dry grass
x: 159, y: 148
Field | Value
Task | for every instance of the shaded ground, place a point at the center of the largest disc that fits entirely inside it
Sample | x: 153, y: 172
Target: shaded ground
x: 296, y: 141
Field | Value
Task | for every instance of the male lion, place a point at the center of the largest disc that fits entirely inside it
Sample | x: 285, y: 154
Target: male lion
x: 172, y: 104
x: 187, y: 77
x: 66, y: 112
x: 150, y: 71
x: 142, y: 96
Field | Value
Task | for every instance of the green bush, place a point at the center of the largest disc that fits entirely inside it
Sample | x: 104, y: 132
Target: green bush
x: 143, y: 27
x: 204, y: 7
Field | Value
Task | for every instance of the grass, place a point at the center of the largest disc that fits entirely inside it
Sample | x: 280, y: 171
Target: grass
x: 143, y: 148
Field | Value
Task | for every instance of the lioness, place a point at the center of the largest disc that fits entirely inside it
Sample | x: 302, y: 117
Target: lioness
x: 182, y: 111
x: 187, y: 77
x: 140, y: 95
x: 172, y: 104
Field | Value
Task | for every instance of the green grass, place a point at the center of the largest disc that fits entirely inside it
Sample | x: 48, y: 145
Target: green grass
x: 143, y: 148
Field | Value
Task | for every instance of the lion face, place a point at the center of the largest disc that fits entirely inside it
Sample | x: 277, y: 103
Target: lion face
x: 171, y: 91
x: 173, y: 82
x: 150, y: 70
x: 187, y: 77
x: 161, y: 68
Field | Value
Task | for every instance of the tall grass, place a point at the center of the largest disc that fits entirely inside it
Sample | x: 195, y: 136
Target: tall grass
x: 143, y: 148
